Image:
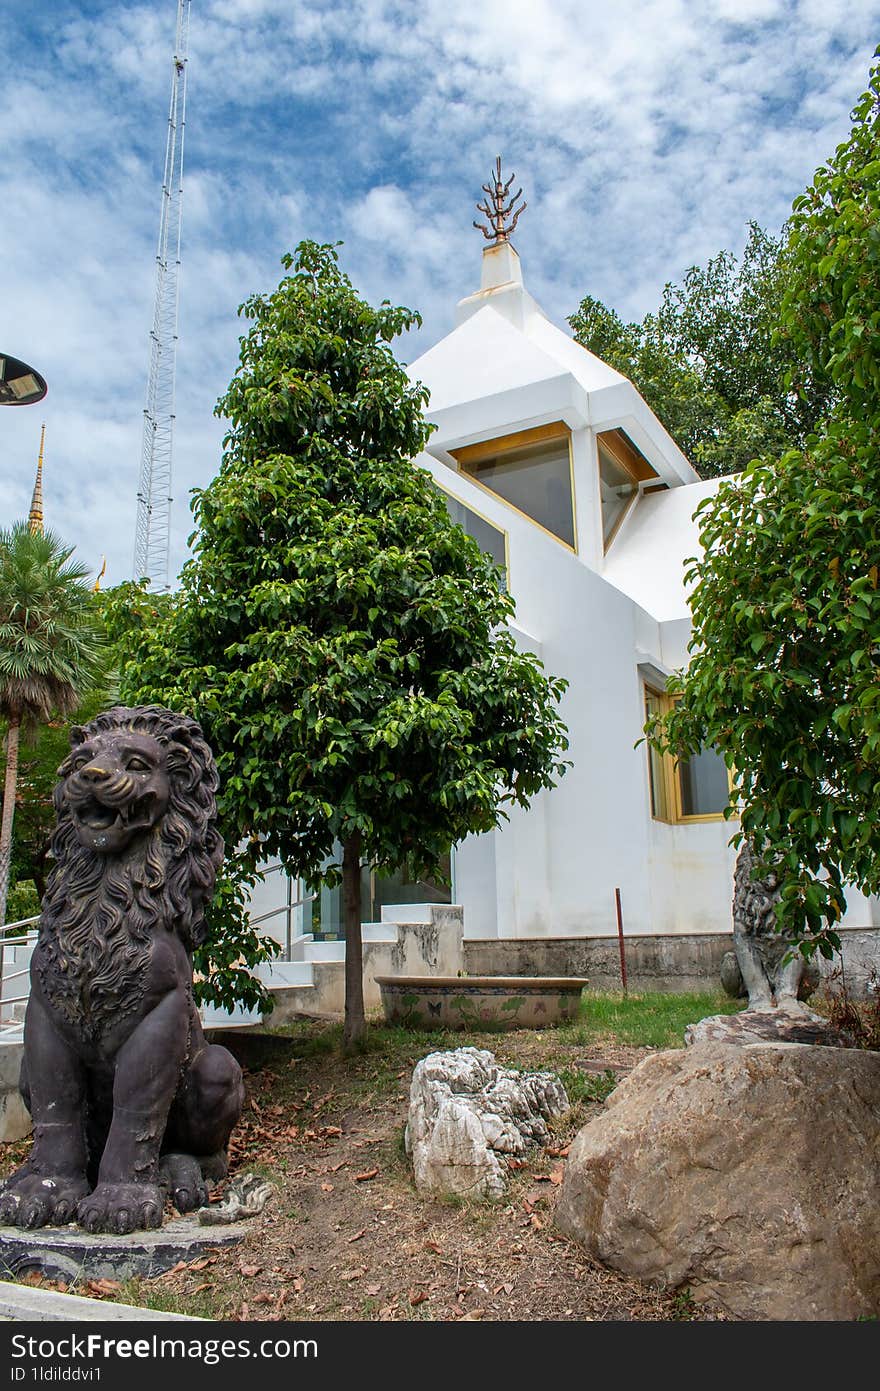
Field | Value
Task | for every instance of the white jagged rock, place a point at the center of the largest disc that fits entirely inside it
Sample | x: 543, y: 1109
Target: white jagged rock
x: 465, y: 1110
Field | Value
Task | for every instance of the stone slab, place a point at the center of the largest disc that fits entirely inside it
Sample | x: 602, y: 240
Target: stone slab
x: 25, y: 1304
x: 69, y: 1253
x: 764, y: 1026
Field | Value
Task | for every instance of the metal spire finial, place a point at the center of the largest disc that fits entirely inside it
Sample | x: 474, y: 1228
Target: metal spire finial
x: 498, y: 207
x: 35, y: 517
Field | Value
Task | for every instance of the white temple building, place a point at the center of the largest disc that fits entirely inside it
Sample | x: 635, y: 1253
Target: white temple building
x: 559, y: 468
x: 556, y: 465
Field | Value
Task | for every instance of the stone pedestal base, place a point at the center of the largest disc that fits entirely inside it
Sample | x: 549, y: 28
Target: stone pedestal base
x: 69, y: 1253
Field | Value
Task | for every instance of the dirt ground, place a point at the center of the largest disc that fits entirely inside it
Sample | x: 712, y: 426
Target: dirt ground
x: 345, y: 1236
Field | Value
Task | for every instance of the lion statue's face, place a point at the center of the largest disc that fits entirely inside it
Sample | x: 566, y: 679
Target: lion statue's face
x: 117, y: 788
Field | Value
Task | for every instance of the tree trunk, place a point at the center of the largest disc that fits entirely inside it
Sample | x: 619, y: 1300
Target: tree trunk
x: 6, y: 831
x: 355, y: 1027
x: 8, y: 814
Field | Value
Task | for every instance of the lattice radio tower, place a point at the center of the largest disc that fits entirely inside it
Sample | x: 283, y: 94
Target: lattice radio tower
x: 152, y: 542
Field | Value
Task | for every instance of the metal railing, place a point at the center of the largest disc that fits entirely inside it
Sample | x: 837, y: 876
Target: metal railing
x: 19, y: 939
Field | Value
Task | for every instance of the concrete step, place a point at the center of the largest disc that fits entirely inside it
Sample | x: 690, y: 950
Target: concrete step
x: 289, y: 1002
x: 273, y: 973
x: 407, y: 913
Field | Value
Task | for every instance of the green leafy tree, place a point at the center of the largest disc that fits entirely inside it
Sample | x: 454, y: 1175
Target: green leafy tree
x: 41, y: 752
x: 785, y: 676
x: 50, y: 649
x: 344, y: 644
x: 134, y: 620
x: 712, y: 363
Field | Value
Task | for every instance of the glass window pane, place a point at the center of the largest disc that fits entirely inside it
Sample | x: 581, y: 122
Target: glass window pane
x: 537, y: 481
x: 398, y: 888
x: 487, y: 536
x: 703, y: 783
x: 659, y: 795
x: 617, y: 488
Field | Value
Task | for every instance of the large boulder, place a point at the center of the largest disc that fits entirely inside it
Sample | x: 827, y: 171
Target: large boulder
x: 748, y: 1173
x: 465, y: 1111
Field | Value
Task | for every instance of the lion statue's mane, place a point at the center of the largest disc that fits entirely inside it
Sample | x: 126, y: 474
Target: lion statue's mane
x: 100, y: 912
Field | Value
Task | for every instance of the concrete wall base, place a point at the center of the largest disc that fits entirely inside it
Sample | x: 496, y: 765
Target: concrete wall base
x: 668, y: 963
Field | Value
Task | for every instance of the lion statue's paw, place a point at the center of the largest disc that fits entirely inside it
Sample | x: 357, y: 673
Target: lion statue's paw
x: 180, y: 1176
x: 121, y: 1208
x: 39, y: 1200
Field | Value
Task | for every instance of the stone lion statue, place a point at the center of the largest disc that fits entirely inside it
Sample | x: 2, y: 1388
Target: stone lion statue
x: 129, y: 1101
x: 769, y: 980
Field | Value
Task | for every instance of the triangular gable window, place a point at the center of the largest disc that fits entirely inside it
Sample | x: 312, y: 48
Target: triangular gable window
x: 622, y: 468
x: 530, y: 471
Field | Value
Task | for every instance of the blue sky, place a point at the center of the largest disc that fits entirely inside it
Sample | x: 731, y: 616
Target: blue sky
x: 645, y: 133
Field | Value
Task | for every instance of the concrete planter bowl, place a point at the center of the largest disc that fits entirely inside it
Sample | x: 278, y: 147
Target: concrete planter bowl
x: 480, y: 1002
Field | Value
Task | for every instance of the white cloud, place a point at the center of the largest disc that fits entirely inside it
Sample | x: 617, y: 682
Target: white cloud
x: 645, y: 133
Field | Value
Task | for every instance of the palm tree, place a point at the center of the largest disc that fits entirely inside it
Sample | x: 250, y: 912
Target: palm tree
x: 50, y: 649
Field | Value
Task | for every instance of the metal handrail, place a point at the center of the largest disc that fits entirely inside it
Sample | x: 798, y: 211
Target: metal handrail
x: 22, y: 922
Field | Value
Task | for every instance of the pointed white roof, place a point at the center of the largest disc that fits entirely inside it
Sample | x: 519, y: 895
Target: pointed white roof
x: 505, y: 367
x: 484, y: 356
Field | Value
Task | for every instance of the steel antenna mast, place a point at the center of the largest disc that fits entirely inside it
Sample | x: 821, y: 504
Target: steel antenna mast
x: 152, y: 542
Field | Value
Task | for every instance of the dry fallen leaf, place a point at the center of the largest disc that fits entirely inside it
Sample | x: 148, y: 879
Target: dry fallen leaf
x: 367, y: 1174
x: 556, y: 1176
x: 357, y: 1236
x: 372, y: 1290
x: 326, y: 1187
x: 353, y: 1274
x: 433, y: 1246
x: 102, y: 1287
x: 417, y: 1297
x: 249, y: 1270
x: 537, y: 1223
x: 472, y: 1316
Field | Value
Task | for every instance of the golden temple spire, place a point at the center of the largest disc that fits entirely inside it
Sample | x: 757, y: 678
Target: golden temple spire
x: 97, y: 585
x: 35, y: 517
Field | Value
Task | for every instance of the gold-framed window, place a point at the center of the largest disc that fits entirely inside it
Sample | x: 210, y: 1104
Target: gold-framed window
x: 622, y: 468
x: 531, y: 471
x: 685, y: 790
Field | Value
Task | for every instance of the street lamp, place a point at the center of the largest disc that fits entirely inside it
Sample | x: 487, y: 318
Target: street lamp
x: 20, y: 385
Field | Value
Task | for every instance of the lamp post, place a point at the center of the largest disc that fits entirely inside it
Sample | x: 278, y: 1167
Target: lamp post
x: 20, y: 385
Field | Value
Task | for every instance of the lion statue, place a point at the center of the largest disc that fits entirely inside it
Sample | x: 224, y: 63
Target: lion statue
x: 765, y: 967
x: 130, y: 1103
